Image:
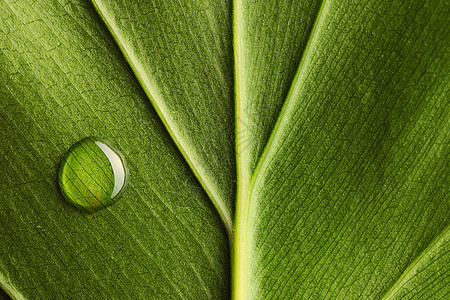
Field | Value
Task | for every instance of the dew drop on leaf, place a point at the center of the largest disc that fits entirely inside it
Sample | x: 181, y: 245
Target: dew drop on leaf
x: 93, y: 175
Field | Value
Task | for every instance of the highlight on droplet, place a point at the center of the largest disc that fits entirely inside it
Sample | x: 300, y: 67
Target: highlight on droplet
x: 93, y: 175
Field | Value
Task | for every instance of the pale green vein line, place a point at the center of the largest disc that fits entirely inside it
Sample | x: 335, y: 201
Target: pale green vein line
x: 155, y: 97
x: 238, y: 83
x: 238, y: 253
x: 245, y: 187
x: 290, y: 96
x: 9, y: 288
x: 441, y: 238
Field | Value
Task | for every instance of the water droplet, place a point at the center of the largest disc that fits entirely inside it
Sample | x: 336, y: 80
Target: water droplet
x: 93, y: 175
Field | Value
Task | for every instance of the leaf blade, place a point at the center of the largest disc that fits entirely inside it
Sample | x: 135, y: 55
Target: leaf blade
x: 191, y: 87
x: 64, y: 80
x: 421, y: 279
x: 270, y: 37
x: 302, y: 173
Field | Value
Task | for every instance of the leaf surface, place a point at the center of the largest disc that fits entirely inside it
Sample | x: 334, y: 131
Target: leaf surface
x: 62, y: 78
x: 353, y: 185
x: 181, y: 53
x: 424, y: 278
x: 338, y: 111
x: 269, y: 39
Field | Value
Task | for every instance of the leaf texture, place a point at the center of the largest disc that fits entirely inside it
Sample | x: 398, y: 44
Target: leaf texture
x: 354, y: 183
x: 61, y: 79
x: 423, y: 278
x: 270, y: 37
x: 276, y: 149
x: 181, y: 52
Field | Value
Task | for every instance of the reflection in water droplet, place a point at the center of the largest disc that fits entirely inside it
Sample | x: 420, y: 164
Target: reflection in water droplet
x: 93, y: 175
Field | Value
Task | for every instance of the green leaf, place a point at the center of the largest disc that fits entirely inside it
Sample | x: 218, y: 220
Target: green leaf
x: 353, y: 185
x: 334, y: 115
x: 423, y: 278
x: 182, y: 55
x: 62, y: 78
x: 270, y: 37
